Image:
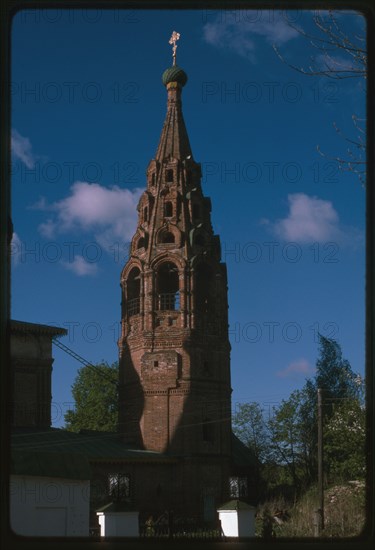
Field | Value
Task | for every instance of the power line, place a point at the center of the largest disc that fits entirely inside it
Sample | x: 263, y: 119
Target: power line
x: 82, y: 360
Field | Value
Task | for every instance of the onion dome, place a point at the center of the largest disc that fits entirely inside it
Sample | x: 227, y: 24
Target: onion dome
x: 174, y: 74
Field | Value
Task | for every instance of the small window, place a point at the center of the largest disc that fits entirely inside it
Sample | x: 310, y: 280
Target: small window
x: 156, y: 364
x: 169, y: 176
x: 153, y: 179
x: 238, y: 487
x: 119, y: 486
x: 168, y: 209
x: 145, y: 214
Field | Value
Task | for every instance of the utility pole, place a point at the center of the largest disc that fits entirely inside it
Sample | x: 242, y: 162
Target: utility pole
x: 320, y: 512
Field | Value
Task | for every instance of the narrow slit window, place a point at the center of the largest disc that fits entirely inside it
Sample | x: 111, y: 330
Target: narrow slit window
x: 168, y: 209
x: 169, y: 176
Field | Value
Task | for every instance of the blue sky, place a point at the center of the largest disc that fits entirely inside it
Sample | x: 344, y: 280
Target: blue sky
x: 88, y: 107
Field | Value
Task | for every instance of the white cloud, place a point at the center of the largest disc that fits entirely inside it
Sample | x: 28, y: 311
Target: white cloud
x: 21, y: 149
x: 300, y: 366
x: 310, y: 219
x: 237, y: 30
x: 81, y: 267
x: 108, y: 212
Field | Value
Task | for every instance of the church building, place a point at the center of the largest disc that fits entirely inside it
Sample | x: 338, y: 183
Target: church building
x: 175, y: 390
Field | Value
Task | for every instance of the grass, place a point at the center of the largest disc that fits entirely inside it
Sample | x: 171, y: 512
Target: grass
x: 344, y: 513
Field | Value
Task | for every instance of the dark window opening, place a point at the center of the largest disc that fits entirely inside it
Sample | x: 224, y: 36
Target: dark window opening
x: 169, y: 176
x: 167, y: 237
x: 142, y: 243
x: 145, y: 214
x: 238, y: 487
x: 133, y: 290
x: 119, y: 486
x: 156, y: 364
x: 196, y: 211
x: 168, y: 297
x: 153, y: 179
x: 168, y: 209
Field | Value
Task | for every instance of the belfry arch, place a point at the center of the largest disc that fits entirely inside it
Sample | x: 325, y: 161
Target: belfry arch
x: 167, y: 287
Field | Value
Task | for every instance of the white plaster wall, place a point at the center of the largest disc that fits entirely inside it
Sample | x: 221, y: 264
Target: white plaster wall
x: 238, y: 523
x: 47, y: 506
x: 118, y: 524
x: 229, y: 523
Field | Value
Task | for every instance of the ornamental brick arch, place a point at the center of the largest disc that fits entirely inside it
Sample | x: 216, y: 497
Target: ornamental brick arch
x: 133, y: 262
x: 168, y: 234
x: 140, y: 241
x: 168, y: 256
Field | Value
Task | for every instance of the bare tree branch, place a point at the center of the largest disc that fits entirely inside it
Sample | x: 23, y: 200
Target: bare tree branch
x: 339, y: 54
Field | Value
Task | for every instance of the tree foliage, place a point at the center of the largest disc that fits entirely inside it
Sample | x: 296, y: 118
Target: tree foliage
x: 286, y: 443
x: 344, y: 441
x: 248, y: 424
x: 292, y: 436
x: 95, y: 392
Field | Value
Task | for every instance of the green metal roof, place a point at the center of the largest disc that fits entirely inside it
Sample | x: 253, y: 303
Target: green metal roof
x: 116, y: 507
x: 236, y: 505
x: 96, y: 446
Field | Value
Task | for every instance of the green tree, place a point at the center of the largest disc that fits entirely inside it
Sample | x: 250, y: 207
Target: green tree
x: 286, y: 444
x: 290, y: 436
x: 95, y: 392
x: 334, y: 376
x: 339, y: 383
x: 333, y: 373
x: 249, y: 426
x: 344, y: 441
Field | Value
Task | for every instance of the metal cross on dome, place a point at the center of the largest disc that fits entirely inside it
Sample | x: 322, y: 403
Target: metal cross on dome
x: 173, y: 39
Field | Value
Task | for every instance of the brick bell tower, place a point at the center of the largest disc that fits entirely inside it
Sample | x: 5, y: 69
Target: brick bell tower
x: 175, y: 392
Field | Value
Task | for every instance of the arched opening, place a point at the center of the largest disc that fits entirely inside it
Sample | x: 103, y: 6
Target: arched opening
x: 168, y: 292
x: 168, y: 209
x: 167, y: 237
x: 133, y: 291
x: 142, y: 243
